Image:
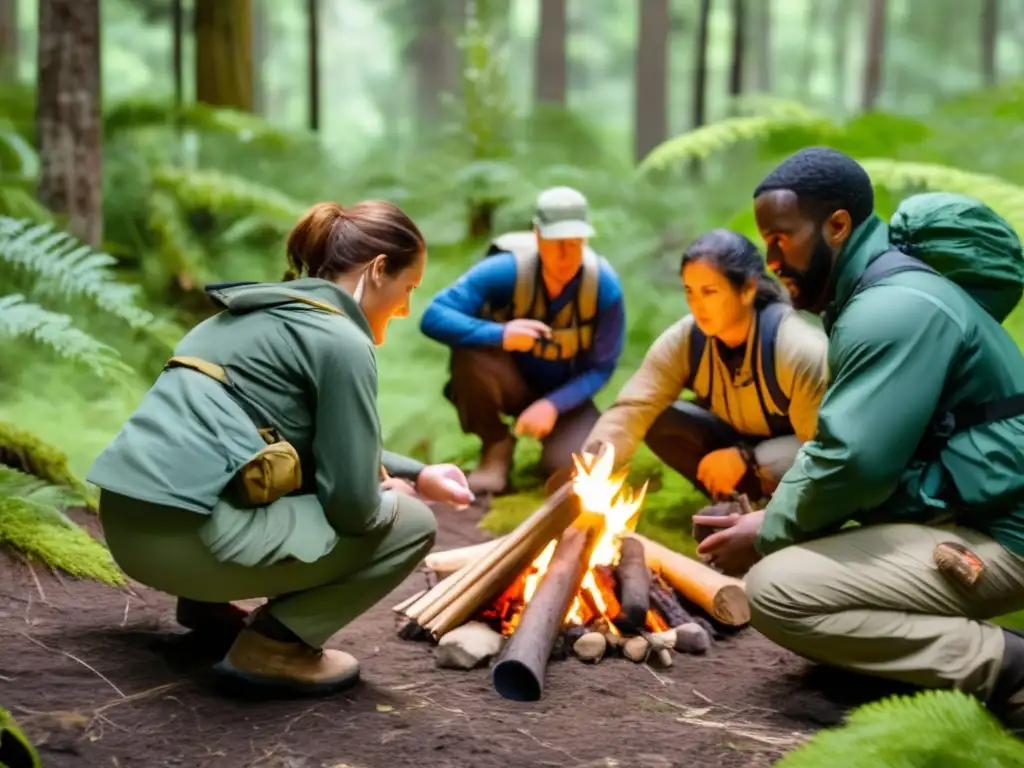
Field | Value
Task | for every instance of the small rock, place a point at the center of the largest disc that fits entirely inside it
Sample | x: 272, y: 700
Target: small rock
x: 590, y: 647
x: 666, y: 639
x: 636, y: 649
x: 660, y: 658
x: 692, y: 638
x: 468, y: 646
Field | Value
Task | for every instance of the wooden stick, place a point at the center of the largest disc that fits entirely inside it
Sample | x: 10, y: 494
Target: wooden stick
x: 493, y: 581
x: 450, y: 560
x: 519, y: 673
x: 442, y: 596
x: 723, y: 597
x: 409, y: 601
x: 634, y: 583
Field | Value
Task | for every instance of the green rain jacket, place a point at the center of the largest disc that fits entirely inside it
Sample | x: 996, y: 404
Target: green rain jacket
x: 913, y: 345
x: 308, y: 372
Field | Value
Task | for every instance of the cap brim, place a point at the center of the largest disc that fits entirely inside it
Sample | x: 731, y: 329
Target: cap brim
x: 566, y: 230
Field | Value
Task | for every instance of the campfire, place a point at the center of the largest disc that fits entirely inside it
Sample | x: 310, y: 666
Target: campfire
x: 573, y: 577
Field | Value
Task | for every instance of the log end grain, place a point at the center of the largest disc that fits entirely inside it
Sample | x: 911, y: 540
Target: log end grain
x: 730, y: 606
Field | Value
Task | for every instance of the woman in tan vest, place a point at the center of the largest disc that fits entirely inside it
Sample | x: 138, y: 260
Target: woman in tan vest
x: 757, y: 371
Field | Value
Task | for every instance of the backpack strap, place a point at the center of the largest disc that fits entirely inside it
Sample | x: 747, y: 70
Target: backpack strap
x: 698, y: 343
x: 889, y: 263
x: 769, y: 319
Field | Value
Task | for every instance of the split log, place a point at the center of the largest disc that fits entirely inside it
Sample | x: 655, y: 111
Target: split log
x: 451, y: 560
x: 664, y: 601
x: 723, y: 597
x: 400, y: 608
x: 457, y: 598
x: 519, y: 673
x: 468, y: 646
x: 634, y: 583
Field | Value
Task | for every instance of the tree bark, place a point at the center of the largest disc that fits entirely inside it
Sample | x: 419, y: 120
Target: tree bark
x: 700, y: 77
x: 68, y: 124
x: 875, y: 59
x: 989, y: 41
x: 550, y: 69
x: 435, y: 56
x: 763, y: 26
x: 223, y: 40
x: 651, y: 77
x: 313, y: 63
x: 260, y: 27
x: 739, y: 19
x: 8, y: 40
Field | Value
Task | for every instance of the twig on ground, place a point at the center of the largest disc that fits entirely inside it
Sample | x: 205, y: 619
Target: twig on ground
x: 136, y: 696
x: 659, y: 678
x: 127, y: 604
x: 546, y: 745
x: 35, y: 578
x: 6, y: 679
x: 74, y: 658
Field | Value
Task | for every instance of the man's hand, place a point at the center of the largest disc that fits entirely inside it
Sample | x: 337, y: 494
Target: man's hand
x: 721, y: 471
x: 520, y: 335
x: 538, y: 420
x: 446, y: 483
x: 731, y: 550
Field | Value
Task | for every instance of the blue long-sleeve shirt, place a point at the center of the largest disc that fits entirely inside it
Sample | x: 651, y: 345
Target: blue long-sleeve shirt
x: 453, y: 317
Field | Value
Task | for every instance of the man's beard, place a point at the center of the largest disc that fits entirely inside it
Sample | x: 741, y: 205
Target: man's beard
x: 807, y: 287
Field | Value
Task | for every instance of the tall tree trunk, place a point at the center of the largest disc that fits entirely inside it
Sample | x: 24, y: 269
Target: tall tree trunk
x: 435, y: 56
x: 763, y: 27
x: 840, y: 52
x: 550, y: 68
x: 989, y: 40
x: 313, y: 52
x: 8, y: 40
x: 68, y: 125
x: 739, y: 24
x: 223, y: 33
x: 700, y: 76
x: 260, y: 25
x: 651, y: 77
x: 875, y: 59
x: 809, y: 53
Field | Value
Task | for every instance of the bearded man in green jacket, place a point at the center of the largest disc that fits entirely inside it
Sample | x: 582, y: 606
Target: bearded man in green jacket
x: 920, y: 439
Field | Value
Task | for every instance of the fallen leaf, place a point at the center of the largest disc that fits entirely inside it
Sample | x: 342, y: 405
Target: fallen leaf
x: 385, y: 708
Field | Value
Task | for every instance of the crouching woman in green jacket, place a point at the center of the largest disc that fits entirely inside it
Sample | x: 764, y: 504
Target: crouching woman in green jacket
x: 253, y: 467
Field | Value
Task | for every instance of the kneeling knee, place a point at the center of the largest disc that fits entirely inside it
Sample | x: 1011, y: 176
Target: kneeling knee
x: 774, y: 587
x: 416, y: 520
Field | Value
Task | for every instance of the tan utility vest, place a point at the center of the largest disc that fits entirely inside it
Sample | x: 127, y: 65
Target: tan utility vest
x: 573, y: 327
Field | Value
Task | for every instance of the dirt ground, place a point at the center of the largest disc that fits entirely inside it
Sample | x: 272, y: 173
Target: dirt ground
x: 101, y: 677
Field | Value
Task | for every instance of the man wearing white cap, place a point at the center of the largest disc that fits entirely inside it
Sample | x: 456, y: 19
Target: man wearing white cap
x: 536, y: 331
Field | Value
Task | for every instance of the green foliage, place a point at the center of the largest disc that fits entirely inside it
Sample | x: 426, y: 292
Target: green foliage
x: 22, y: 451
x: 945, y: 728
x: 15, y: 749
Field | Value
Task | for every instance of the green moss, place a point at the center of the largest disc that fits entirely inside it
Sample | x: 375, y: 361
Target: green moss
x: 15, y: 749
x: 45, y: 533
x: 24, y: 451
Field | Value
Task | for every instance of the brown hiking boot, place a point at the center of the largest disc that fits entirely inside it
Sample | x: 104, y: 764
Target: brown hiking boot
x: 495, y: 462
x: 292, y: 666
x: 223, y: 619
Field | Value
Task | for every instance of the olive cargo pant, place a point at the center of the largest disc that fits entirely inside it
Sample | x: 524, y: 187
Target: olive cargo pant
x: 685, y: 433
x: 871, y: 600
x: 160, y: 547
x: 485, y: 384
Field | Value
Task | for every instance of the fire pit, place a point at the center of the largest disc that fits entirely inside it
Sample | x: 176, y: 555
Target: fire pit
x: 572, y: 577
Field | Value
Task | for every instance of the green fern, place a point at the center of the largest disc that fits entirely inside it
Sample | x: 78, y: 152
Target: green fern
x: 63, y: 266
x: 17, y: 484
x: 45, y: 533
x: 20, y: 318
x: 15, y: 749
x: 1002, y: 196
x: 945, y: 728
x: 709, y: 139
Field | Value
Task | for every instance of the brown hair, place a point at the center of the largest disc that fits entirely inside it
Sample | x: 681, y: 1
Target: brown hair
x: 329, y: 240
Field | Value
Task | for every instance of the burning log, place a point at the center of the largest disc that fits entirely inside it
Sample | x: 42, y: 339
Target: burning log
x: 634, y: 583
x: 519, y: 673
x: 457, y: 597
x: 664, y: 601
x: 723, y: 597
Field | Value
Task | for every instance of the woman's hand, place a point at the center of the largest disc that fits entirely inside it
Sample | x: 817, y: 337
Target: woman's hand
x: 398, y: 485
x: 446, y: 483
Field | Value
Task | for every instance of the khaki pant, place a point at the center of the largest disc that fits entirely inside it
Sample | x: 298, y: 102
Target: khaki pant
x: 871, y: 600
x: 161, y: 547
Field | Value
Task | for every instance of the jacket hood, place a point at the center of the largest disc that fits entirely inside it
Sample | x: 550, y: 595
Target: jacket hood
x: 309, y: 292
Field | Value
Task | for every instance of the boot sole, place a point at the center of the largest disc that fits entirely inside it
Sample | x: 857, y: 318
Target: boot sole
x: 233, y: 676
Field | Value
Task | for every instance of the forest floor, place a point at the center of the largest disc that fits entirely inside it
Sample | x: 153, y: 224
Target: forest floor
x: 104, y: 677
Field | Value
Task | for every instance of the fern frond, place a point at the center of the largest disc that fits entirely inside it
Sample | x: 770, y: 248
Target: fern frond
x: 716, y: 137
x: 22, y: 319
x: 22, y: 451
x: 63, y: 266
x: 230, y: 195
x: 18, y: 158
x: 20, y: 485
x: 38, y: 532
x: 180, y: 253
x: 15, y: 748
x: 936, y: 727
x: 1004, y: 197
x: 139, y: 113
